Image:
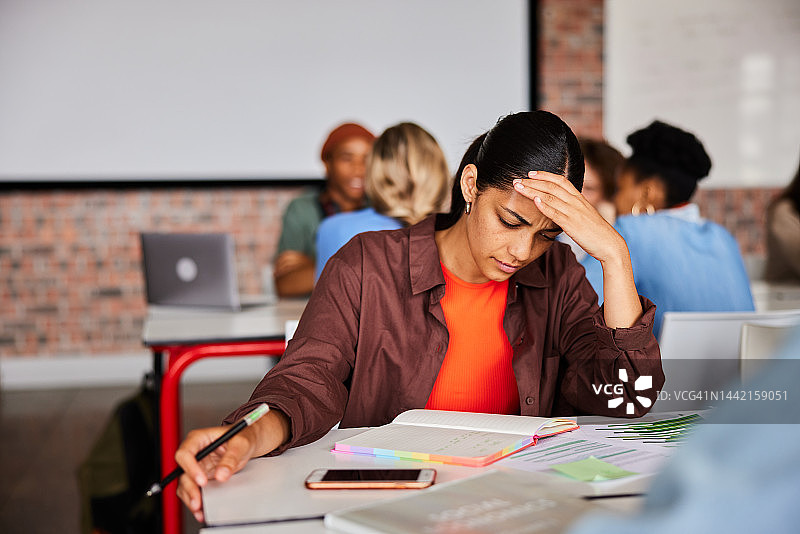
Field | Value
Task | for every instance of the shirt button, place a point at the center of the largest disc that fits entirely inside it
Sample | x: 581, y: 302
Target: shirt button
x: 529, y: 401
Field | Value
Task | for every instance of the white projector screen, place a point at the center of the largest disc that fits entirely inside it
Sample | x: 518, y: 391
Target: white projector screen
x: 92, y: 90
x: 726, y: 70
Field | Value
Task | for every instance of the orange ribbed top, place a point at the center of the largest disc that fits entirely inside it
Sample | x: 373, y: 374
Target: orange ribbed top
x: 476, y: 375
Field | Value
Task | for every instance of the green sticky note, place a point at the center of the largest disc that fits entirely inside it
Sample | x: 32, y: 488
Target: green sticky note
x: 591, y: 470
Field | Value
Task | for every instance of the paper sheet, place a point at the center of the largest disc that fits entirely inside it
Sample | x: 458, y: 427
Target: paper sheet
x: 581, y: 444
x: 591, y: 470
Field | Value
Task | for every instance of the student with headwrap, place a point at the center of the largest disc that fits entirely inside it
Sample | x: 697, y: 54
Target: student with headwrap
x: 681, y: 261
x: 344, y: 154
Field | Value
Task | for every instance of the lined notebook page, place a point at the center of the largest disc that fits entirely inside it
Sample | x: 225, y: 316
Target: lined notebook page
x: 432, y: 440
x: 509, y: 424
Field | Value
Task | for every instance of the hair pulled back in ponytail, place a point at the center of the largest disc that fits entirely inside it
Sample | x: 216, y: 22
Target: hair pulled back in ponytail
x: 518, y: 143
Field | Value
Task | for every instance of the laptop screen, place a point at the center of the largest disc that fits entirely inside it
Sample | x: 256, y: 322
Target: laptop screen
x: 182, y: 269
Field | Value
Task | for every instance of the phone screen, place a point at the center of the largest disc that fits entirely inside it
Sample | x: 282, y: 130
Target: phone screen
x: 370, y: 478
x: 337, y: 475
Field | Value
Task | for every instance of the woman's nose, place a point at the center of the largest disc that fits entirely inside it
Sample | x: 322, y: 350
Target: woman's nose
x: 521, y: 247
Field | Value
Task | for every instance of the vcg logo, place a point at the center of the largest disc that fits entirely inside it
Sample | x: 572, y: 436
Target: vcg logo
x: 616, y: 391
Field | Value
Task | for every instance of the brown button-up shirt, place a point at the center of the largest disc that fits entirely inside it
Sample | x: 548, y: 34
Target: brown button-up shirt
x: 373, y: 337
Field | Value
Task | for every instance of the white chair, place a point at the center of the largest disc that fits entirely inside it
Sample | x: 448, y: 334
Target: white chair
x: 700, y: 354
x: 759, y: 343
x: 291, y: 327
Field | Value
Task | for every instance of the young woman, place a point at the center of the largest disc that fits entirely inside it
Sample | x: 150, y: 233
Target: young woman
x: 600, y: 178
x: 477, y: 310
x: 783, y: 235
x: 682, y: 261
x: 406, y: 180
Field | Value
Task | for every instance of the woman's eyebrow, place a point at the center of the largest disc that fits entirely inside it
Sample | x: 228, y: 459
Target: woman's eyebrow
x: 555, y: 229
x: 519, y: 217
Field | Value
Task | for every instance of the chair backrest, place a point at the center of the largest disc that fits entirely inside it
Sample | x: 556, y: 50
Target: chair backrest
x: 700, y: 353
x: 758, y: 343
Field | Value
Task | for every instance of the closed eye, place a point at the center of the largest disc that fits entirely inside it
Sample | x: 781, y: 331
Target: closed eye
x: 508, y: 224
x: 550, y: 234
x: 548, y: 237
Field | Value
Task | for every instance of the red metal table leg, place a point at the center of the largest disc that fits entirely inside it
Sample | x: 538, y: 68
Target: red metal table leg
x: 179, y: 358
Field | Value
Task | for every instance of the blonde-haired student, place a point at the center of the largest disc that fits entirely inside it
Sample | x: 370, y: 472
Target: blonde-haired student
x: 406, y: 180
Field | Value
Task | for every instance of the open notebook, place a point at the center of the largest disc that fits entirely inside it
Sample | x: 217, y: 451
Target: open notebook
x: 463, y: 438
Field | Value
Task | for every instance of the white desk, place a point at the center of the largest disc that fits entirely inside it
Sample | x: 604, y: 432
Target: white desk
x: 270, y: 489
x: 180, y: 336
x: 769, y: 296
x: 172, y: 325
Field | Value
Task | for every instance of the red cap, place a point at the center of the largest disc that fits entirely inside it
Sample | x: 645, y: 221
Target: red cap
x: 342, y: 133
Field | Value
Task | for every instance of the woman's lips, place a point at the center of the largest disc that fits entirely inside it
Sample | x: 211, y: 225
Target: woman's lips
x: 506, y: 268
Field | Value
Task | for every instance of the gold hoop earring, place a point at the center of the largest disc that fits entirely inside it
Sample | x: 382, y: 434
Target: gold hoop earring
x: 636, y: 210
x: 468, y: 208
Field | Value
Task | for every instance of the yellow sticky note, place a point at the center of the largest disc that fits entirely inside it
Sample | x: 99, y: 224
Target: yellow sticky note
x: 591, y: 469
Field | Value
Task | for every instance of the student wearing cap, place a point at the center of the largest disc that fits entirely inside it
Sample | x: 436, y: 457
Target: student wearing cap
x: 344, y: 154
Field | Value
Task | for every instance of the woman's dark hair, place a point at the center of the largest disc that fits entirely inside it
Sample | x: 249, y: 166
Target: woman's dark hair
x: 673, y: 156
x: 605, y: 160
x: 518, y: 143
x: 792, y: 191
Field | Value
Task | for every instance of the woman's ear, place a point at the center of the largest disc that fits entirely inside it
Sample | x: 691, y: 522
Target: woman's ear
x: 469, y: 180
x: 654, y: 193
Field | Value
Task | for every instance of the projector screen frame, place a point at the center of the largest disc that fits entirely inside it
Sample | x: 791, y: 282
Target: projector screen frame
x: 151, y: 182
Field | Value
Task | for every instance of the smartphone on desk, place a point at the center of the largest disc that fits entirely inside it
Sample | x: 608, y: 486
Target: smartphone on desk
x: 370, y: 478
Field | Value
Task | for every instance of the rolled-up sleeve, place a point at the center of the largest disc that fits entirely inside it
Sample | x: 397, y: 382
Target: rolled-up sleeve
x: 602, y: 367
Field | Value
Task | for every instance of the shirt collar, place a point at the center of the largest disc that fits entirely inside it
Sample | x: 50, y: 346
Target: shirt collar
x: 687, y: 212
x: 425, y: 272
x: 423, y: 257
x: 532, y: 275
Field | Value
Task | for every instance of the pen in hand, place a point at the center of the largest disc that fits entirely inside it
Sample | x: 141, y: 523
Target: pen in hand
x: 246, y: 421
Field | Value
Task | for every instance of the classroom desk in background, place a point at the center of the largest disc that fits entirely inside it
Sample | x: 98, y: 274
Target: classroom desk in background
x: 178, y: 337
x: 272, y: 488
x: 769, y: 296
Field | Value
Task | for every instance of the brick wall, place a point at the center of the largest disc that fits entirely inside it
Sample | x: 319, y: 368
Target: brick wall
x: 571, y: 86
x: 571, y: 63
x: 70, y: 260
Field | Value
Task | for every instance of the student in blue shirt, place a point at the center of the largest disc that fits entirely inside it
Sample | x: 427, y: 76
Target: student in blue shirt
x: 406, y: 180
x: 681, y: 261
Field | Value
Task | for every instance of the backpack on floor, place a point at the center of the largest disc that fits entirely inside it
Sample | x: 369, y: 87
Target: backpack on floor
x: 120, y: 468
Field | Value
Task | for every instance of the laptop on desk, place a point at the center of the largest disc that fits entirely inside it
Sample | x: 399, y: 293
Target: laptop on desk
x: 182, y: 269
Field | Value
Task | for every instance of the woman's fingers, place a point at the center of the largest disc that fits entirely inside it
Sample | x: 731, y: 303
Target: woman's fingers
x: 189, y: 493
x: 547, y: 183
x: 233, y: 458
x: 553, y: 195
x: 194, y: 442
x: 559, y: 201
x: 550, y: 211
x: 225, y: 460
x: 196, y: 474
